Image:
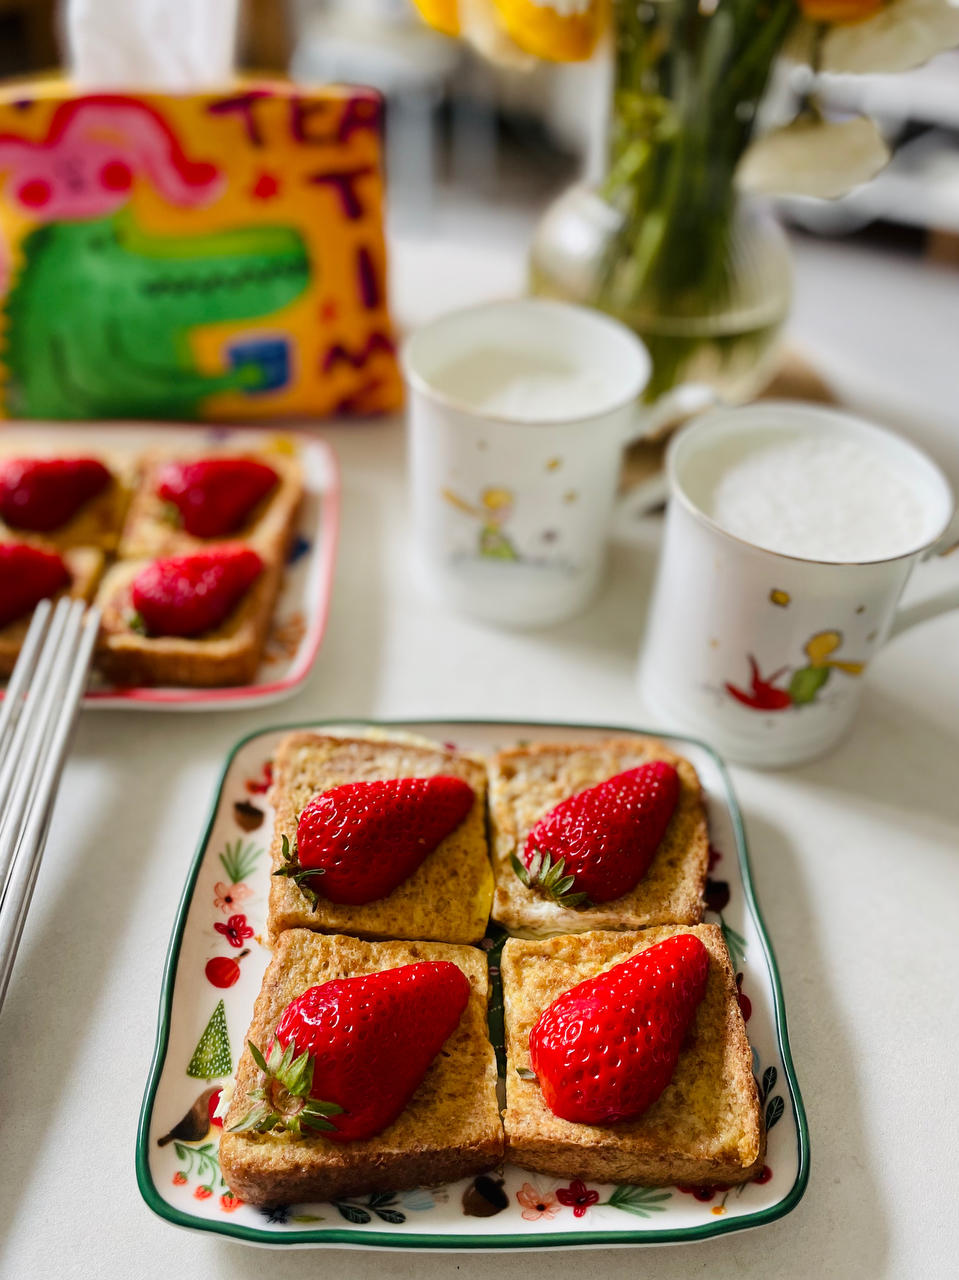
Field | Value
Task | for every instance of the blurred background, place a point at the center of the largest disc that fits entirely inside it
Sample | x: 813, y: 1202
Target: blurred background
x: 477, y: 152
x: 465, y: 134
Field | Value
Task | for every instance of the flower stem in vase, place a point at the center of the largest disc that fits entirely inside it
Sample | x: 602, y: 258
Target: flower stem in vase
x: 688, y: 79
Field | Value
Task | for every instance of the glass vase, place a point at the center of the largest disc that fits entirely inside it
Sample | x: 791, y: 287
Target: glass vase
x: 666, y: 243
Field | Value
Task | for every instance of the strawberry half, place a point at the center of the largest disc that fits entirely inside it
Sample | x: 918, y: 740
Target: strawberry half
x: 598, y: 844
x: 605, y: 1050
x: 366, y: 838
x: 214, y: 495
x: 187, y: 595
x: 41, y: 494
x: 27, y: 576
x: 349, y: 1054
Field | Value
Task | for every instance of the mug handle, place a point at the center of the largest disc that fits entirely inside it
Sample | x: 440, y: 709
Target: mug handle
x: 941, y: 602
x: 682, y: 402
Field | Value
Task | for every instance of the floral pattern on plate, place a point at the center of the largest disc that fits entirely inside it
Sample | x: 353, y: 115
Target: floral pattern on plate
x: 214, y: 972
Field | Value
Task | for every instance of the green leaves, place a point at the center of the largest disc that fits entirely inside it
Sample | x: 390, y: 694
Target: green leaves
x: 282, y: 1103
x: 301, y: 876
x: 202, y: 1161
x: 382, y: 1203
x: 735, y: 945
x: 549, y: 879
x: 239, y: 860
x: 770, y: 1076
x: 641, y: 1201
x: 775, y: 1108
x: 352, y: 1212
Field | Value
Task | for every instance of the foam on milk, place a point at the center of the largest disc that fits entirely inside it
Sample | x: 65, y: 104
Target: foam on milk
x: 818, y: 498
x: 522, y: 385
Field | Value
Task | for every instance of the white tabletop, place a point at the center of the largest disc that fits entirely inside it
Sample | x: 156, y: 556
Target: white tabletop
x: 856, y: 860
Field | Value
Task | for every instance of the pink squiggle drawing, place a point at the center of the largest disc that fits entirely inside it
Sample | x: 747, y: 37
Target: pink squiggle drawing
x: 94, y: 149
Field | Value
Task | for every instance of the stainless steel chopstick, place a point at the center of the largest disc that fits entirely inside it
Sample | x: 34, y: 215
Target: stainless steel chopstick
x: 19, y: 765
x: 42, y: 763
x: 19, y: 681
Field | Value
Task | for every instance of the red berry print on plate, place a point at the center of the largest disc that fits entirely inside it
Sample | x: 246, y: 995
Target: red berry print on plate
x: 212, y: 1105
x: 257, y: 786
x: 179, y: 1178
x: 203, y: 1193
x: 705, y: 1194
x: 577, y: 1196
x: 236, y: 930
x: 229, y: 1202
x: 745, y: 1004
x: 224, y: 971
x: 717, y: 895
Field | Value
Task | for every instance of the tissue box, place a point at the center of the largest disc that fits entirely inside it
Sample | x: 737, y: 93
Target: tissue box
x: 194, y: 255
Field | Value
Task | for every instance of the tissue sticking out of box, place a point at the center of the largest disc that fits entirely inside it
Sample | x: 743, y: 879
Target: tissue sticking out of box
x: 169, y: 45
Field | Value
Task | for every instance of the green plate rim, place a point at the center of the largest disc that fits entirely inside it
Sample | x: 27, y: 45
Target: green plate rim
x: 347, y: 1236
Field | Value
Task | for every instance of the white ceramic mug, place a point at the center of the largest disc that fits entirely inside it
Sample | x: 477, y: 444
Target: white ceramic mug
x: 519, y: 411
x: 758, y: 653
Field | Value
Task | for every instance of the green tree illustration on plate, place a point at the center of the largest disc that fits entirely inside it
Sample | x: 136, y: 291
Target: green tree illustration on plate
x: 211, y: 1057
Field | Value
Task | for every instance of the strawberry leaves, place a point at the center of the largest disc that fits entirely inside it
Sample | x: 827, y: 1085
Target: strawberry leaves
x: 301, y: 876
x: 282, y: 1100
x: 549, y: 878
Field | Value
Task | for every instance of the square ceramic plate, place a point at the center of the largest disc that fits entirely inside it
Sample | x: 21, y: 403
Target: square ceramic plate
x: 299, y: 618
x: 213, y: 973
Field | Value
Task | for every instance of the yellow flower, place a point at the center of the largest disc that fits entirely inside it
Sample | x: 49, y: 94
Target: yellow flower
x: 561, y: 30
x: 838, y: 11
x: 557, y: 30
x: 443, y: 15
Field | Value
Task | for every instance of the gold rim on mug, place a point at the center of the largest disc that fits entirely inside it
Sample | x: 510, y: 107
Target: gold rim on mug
x: 793, y: 413
x: 419, y: 382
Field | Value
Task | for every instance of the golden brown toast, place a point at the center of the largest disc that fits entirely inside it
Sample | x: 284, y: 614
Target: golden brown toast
x: 447, y: 898
x: 85, y: 565
x: 704, y: 1129
x: 149, y: 532
x: 526, y: 782
x: 98, y: 522
x: 228, y: 655
x: 450, y: 1129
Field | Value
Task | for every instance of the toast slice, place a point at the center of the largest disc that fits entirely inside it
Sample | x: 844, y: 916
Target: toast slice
x: 228, y: 655
x: 450, y: 1129
x: 704, y: 1129
x: 447, y: 898
x: 150, y: 534
x: 98, y: 522
x: 526, y: 782
x: 85, y: 565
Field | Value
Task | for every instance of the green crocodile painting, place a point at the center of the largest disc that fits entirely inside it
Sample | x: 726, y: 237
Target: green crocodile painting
x: 99, y: 318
